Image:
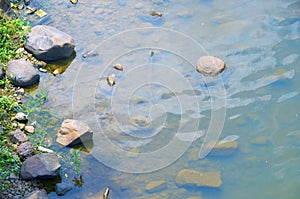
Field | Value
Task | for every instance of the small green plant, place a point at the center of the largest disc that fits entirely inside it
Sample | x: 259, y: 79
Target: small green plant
x: 12, y: 36
x: 76, y: 161
x: 8, y: 162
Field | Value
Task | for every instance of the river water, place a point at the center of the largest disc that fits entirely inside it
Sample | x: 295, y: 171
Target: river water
x: 157, y: 118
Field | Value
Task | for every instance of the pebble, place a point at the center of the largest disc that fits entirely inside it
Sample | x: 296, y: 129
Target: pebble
x: 29, y: 129
x: 20, y: 91
x: 21, y: 126
x: 43, y: 149
x: 155, y: 14
x: 74, y: 1
x: 43, y: 70
x: 20, y: 117
x: 111, y: 80
x: 118, y: 67
x: 210, y: 66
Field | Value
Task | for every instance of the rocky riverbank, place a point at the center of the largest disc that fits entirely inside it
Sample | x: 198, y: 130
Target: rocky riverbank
x: 25, y: 164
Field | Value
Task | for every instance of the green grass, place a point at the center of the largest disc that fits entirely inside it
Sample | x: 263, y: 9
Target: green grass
x: 12, y: 37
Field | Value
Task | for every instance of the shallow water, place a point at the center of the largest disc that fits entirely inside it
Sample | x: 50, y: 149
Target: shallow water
x: 160, y: 104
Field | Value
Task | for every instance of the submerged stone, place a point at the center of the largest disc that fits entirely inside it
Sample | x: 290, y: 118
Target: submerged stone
x: 187, y: 177
x: 62, y: 188
x: 224, y: 148
x: 74, y: 132
x: 155, y: 186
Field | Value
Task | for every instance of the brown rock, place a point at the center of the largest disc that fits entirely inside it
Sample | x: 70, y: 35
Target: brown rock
x: 210, y: 66
x: 188, y: 177
x: 73, y: 132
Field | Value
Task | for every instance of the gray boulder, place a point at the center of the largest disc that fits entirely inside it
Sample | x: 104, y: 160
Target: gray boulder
x: 49, y: 44
x: 37, y: 195
x: 42, y: 165
x: 22, y: 73
x: 17, y: 136
x: 2, y: 74
x: 62, y: 188
x: 74, y: 132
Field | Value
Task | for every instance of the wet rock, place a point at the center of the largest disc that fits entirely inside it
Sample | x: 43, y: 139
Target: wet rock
x: 155, y: 186
x: 20, y: 117
x: 188, y: 177
x: 25, y: 150
x: 42, y: 165
x: 37, y: 195
x: 62, y: 188
x: 2, y: 73
x: 17, y: 136
x: 73, y: 132
x: 22, y: 73
x: 49, y: 44
x: 29, y: 129
x: 223, y: 148
x: 210, y: 66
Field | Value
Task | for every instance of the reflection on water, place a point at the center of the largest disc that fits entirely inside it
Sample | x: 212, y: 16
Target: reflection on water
x: 258, y: 40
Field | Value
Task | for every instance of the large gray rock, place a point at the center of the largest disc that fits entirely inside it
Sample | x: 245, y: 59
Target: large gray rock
x: 49, y: 44
x: 74, y: 132
x: 210, y: 66
x: 22, y: 73
x: 1, y: 70
x: 187, y: 177
x: 42, y: 165
x: 37, y: 195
